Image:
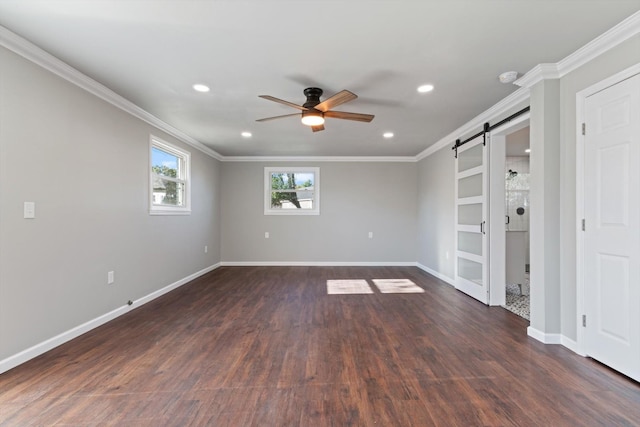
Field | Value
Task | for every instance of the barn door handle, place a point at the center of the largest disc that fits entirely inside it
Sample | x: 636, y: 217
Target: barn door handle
x: 508, y: 219
x: 482, y: 227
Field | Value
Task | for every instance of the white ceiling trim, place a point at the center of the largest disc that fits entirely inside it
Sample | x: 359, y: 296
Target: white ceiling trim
x: 38, y: 56
x: 389, y: 159
x: 613, y: 37
x: 509, y: 103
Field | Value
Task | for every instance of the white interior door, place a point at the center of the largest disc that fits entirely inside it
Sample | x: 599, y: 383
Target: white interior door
x: 472, y: 241
x: 612, y: 226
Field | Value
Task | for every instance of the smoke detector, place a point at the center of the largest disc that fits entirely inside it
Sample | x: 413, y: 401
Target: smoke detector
x: 508, y: 77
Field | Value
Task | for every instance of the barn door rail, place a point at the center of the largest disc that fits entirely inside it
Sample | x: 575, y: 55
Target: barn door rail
x: 486, y: 129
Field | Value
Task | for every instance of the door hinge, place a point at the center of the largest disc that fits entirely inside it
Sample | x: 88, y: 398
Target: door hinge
x: 584, y: 320
x: 584, y: 129
x: 583, y: 227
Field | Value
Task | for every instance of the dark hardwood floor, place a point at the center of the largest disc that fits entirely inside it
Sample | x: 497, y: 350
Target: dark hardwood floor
x: 266, y: 346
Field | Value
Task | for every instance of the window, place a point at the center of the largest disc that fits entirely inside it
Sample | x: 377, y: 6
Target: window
x: 169, y: 181
x: 292, y: 191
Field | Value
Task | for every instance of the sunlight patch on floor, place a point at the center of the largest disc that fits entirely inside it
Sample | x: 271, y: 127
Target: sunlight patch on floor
x: 336, y: 287
x: 397, y: 286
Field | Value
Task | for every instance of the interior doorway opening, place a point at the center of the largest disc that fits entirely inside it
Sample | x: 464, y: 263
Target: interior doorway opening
x: 517, y: 207
x: 509, y: 216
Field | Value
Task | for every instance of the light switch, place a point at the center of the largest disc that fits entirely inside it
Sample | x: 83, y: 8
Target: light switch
x: 29, y: 210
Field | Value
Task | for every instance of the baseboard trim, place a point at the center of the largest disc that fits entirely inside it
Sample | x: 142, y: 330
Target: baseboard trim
x: 315, y: 264
x: 38, y: 349
x: 439, y: 275
x: 544, y: 337
x: 572, y: 345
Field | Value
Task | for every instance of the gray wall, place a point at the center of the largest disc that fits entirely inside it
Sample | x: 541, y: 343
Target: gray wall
x: 85, y: 165
x: 355, y: 198
x: 436, y: 201
x: 613, y: 61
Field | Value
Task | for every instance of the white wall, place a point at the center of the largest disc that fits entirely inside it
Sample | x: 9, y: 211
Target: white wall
x: 355, y: 198
x: 85, y: 165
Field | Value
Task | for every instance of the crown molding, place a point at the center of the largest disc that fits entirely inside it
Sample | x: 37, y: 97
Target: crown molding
x: 38, y: 56
x: 505, y: 105
x: 608, y: 40
x: 388, y: 159
x: 537, y: 74
x: 596, y: 47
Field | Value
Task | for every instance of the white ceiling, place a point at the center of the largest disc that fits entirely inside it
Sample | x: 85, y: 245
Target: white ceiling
x: 152, y: 52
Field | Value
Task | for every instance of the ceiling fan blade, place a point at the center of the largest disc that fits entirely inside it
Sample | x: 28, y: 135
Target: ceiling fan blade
x: 317, y: 128
x: 277, y: 117
x: 349, y: 116
x: 337, y: 99
x: 282, y: 101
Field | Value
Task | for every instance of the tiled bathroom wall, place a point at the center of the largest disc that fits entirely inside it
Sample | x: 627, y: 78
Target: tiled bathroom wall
x: 517, y: 196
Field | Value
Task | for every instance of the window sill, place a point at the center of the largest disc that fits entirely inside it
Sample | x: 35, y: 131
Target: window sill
x: 170, y: 212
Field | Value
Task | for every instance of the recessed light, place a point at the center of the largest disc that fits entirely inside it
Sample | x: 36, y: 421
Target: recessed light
x: 246, y: 134
x: 388, y: 134
x: 528, y: 150
x: 200, y: 87
x: 425, y: 88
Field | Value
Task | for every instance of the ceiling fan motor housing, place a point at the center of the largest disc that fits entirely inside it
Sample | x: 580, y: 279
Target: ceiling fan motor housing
x: 313, y: 95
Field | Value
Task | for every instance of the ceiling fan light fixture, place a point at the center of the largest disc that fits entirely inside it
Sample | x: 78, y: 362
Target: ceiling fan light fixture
x: 312, y: 118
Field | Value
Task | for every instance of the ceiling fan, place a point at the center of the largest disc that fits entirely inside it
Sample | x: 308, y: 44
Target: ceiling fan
x: 315, y: 111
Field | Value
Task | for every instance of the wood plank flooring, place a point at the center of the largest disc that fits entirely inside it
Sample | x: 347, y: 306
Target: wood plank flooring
x: 266, y: 346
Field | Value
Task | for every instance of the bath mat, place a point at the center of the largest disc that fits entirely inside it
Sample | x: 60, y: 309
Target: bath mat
x: 397, y: 286
x: 336, y: 287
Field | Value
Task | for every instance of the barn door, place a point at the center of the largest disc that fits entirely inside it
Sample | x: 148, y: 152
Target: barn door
x: 472, y: 236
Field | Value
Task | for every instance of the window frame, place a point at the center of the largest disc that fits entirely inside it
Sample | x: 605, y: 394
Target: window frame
x: 268, y: 210
x: 184, y: 159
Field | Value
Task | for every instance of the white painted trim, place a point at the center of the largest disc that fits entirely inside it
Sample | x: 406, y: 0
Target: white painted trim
x: 555, y: 339
x: 505, y: 105
x: 31, y: 52
x: 315, y: 264
x: 388, y: 159
x: 537, y: 74
x: 315, y: 209
x: 497, y: 229
x: 436, y: 274
x: 184, y: 157
x: 51, y: 343
x: 544, y: 338
x: 601, y: 44
x: 571, y: 345
x: 581, y: 98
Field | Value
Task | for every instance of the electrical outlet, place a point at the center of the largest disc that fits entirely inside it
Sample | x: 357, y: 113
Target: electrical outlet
x: 266, y: 234
x: 206, y: 249
x: 29, y: 210
x: 371, y: 234
x: 110, y: 277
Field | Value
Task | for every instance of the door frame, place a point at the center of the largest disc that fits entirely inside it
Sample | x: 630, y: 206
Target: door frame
x: 581, y: 98
x: 497, y: 230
